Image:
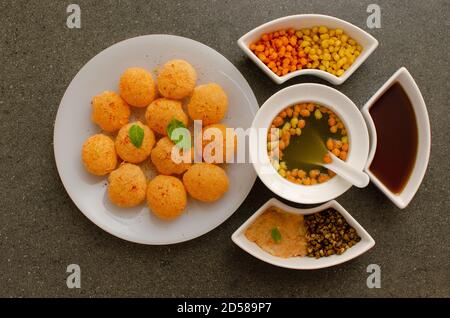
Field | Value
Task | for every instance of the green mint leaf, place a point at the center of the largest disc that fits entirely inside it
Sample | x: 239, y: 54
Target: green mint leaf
x: 136, y: 134
x: 174, y: 124
x: 179, y: 140
x: 276, y: 235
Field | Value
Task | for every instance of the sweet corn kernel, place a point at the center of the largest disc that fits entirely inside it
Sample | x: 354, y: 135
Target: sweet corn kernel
x: 318, y: 114
x: 294, y: 122
x: 323, y: 29
x: 341, y: 62
x: 325, y: 44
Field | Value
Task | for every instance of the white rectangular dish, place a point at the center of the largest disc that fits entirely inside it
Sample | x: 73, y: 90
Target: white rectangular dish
x: 306, y: 263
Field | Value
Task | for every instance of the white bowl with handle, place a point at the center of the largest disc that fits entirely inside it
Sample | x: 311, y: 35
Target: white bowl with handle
x: 305, y: 262
x: 325, y: 96
x: 300, y: 21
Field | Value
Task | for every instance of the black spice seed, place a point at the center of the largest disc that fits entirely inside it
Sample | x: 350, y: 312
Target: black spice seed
x: 328, y: 233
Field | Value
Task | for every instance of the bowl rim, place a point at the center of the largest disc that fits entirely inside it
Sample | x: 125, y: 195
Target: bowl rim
x: 361, y: 138
x: 238, y: 237
x: 367, y: 50
x: 403, y: 77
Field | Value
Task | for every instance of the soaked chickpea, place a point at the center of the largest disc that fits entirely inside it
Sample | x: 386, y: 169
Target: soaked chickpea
x: 336, y: 152
x: 327, y: 159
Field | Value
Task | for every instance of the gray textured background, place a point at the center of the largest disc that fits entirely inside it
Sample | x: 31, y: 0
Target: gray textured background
x: 42, y: 231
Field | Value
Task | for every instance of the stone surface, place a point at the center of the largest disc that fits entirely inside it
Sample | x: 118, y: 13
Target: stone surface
x: 42, y: 231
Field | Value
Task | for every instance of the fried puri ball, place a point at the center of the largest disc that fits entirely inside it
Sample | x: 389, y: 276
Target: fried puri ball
x: 209, y: 145
x: 127, y: 186
x: 166, y: 197
x: 127, y: 150
x: 161, y: 112
x: 137, y: 87
x: 206, y: 182
x: 110, y: 111
x: 162, y: 158
x: 176, y: 79
x: 99, y: 155
x: 208, y: 103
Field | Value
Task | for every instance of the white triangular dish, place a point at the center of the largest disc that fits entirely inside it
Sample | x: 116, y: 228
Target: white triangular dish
x: 304, y: 263
x: 368, y: 42
x: 404, y: 78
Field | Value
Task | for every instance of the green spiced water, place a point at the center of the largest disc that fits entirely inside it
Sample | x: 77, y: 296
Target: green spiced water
x: 306, y: 150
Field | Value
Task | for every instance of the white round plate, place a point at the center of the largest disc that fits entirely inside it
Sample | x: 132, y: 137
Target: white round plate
x: 73, y: 126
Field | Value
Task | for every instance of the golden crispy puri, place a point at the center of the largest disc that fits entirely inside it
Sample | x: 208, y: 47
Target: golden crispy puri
x: 127, y: 186
x: 137, y: 87
x: 166, y: 197
x: 206, y: 182
x: 217, y: 145
x: 130, y: 152
x: 99, y: 155
x: 176, y: 79
x: 110, y: 111
x: 161, y: 112
x: 208, y: 103
x: 162, y: 158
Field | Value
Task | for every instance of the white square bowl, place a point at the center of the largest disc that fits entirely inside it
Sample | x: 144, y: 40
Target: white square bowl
x: 305, y: 263
x: 368, y: 42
